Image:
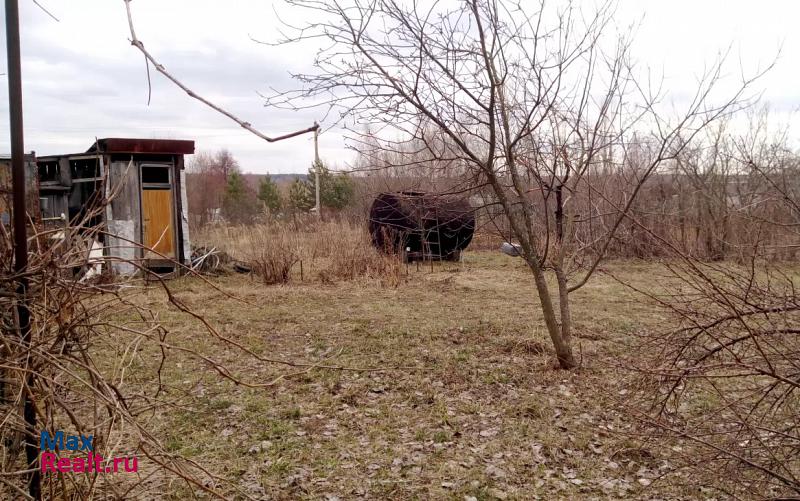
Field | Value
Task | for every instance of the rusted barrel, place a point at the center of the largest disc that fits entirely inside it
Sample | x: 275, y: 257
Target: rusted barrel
x: 421, y: 226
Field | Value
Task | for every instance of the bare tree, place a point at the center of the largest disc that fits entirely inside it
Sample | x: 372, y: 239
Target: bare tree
x: 721, y: 199
x: 207, y: 177
x: 530, y: 102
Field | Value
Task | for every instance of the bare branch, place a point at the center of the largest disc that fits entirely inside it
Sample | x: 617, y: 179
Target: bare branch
x: 161, y: 69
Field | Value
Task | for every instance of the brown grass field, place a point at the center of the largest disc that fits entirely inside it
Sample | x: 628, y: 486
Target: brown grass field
x: 465, y: 405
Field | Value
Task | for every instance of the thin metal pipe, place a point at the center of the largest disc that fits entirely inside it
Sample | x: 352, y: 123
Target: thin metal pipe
x: 317, y: 165
x: 19, y: 228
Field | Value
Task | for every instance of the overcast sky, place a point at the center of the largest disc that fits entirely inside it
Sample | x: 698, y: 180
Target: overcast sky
x: 82, y: 78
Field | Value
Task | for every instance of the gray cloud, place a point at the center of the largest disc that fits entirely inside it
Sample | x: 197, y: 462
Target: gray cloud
x: 72, y: 94
x: 82, y: 78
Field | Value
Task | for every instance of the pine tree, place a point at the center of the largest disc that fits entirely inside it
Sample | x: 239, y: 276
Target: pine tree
x: 335, y: 189
x: 238, y: 204
x: 269, y: 194
x: 300, y: 198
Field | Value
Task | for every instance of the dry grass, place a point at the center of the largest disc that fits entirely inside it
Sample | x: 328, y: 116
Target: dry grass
x: 469, y: 404
x: 324, y: 251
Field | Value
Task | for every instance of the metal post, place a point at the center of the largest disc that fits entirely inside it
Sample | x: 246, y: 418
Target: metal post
x: 19, y: 228
x: 316, y: 169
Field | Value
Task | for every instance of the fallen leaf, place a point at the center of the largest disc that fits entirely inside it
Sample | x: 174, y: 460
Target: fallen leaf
x: 494, y: 471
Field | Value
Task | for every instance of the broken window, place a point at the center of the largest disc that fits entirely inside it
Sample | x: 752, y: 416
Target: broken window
x: 155, y: 175
x: 87, y: 191
x: 84, y: 169
x: 49, y: 172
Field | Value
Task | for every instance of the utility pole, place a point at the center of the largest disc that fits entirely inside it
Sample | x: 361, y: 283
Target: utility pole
x: 316, y: 169
x: 20, y: 231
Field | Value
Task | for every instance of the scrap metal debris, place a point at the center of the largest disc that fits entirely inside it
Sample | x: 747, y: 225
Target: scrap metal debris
x: 205, y: 259
x: 213, y: 261
x: 513, y: 250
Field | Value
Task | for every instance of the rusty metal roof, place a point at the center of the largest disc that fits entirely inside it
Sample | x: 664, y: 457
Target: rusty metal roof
x: 132, y: 145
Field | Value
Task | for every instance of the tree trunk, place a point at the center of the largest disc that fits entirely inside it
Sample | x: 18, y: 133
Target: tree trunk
x: 563, y: 304
x: 562, y: 347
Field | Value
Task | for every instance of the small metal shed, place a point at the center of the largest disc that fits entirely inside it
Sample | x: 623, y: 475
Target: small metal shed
x: 146, y: 220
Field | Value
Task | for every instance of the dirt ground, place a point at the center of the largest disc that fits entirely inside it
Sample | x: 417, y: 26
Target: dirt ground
x: 461, y: 399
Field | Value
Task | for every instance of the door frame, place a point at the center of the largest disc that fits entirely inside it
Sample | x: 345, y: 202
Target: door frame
x: 169, y: 185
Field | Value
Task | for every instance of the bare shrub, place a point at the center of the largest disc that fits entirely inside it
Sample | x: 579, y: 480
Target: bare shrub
x: 272, y: 254
x: 70, y: 385
x: 96, y: 362
x: 357, y: 258
x: 725, y: 380
x: 274, y: 266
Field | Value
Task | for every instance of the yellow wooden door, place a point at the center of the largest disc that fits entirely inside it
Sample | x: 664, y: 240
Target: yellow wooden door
x: 159, y: 233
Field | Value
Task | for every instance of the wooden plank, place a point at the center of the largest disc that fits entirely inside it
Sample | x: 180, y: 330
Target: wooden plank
x: 124, y: 181
x: 157, y: 218
x: 31, y: 190
x: 5, y: 191
x: 184, y: 242
x: 124, y: 225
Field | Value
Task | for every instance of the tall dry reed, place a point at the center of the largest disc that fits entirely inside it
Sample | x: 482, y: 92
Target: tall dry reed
x: 327, y: 251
